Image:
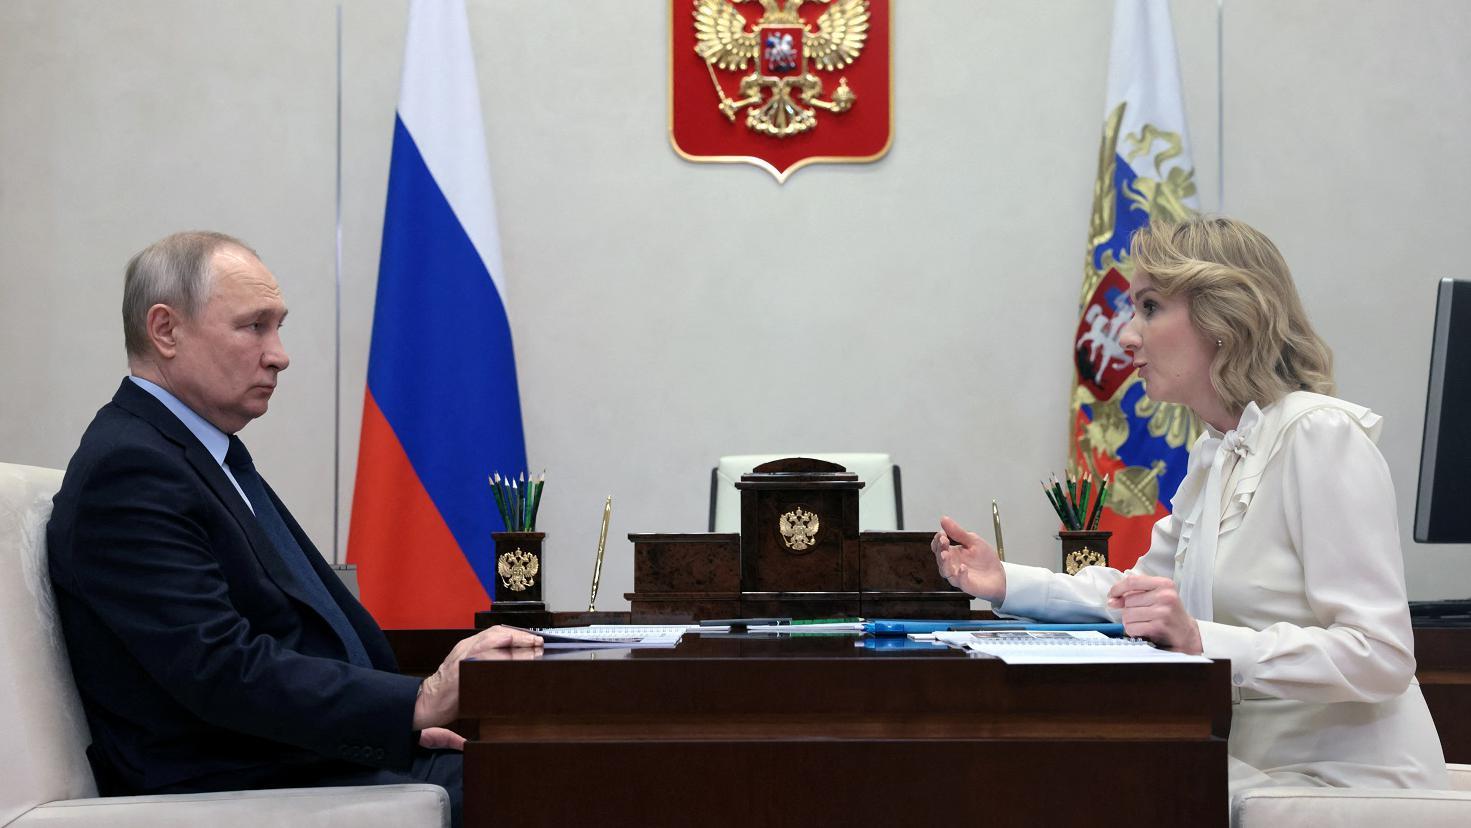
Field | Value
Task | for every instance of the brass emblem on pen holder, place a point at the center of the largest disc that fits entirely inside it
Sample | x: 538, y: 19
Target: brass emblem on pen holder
x: 518, y: 570
x: 1083, y: 549
x: 798, y: 529
x: 519, y: 580
x: 1083, y: 557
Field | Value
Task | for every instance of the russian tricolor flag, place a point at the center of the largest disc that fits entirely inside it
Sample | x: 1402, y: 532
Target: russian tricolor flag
x: 442, y: 410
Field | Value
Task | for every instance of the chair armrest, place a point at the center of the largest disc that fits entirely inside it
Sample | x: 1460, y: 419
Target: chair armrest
x: 1351, y: 807
x: 371, y: 806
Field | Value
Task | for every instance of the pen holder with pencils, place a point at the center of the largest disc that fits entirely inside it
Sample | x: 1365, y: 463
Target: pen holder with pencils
x: 1083, y: 548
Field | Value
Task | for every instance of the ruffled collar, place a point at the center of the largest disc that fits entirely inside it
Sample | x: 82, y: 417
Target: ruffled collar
x: 1212, y: 460
x: 1238, y: 439
x: 1241, y: 441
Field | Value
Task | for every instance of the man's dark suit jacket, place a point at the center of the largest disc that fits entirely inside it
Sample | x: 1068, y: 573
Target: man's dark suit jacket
x: 199, y: 660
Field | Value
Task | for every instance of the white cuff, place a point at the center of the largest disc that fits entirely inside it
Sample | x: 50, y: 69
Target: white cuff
x: 1235, y: 643
x: 1026, y: 590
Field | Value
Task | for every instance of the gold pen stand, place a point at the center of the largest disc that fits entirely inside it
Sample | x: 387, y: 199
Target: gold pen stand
x: 1080, y: 549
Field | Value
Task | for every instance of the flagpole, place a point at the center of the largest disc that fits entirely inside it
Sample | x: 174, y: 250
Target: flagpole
x: 337, y: 320
x: 1220, y: 107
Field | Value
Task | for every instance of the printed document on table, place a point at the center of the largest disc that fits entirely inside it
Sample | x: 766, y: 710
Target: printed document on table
x: 609, y: 636
x: 1063, y: 647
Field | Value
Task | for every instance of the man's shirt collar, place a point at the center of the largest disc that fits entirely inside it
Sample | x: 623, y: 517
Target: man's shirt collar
x: 215, y: 441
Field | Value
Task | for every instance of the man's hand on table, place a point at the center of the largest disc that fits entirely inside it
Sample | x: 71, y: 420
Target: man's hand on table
x: 439, y: 695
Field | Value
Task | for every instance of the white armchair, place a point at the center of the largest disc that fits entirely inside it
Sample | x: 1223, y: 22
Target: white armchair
x: 1357, y: 807
x: 44, y: 776
x: 880, y: 501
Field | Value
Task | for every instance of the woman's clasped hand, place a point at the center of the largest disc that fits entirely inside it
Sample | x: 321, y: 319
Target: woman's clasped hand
x: 1150, y: 608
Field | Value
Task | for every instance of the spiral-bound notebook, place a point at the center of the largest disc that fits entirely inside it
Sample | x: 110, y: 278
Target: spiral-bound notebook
x: 1062, y: 647
x: 609, y: 636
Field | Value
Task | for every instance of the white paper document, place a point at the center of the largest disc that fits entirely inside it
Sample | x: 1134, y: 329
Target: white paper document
x: 609, y: 636
x: 1062, y: 647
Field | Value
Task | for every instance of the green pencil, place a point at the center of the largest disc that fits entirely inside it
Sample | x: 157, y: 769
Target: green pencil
x: 1097, y: 513
x: 1072, y: 500
x: 1067, y: 508
x: 1056, y: 507
x: 1067, y: 519
x: 1083, y: 500
x: 515, y: 505
x: 522, y: 494
x: 525, y: 512
x: 541, y: 482
x: 500, y: 500
x: 1075, y: 488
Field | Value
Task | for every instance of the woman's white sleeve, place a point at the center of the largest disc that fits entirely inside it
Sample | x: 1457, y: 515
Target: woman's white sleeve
x: 1340, y: 508
x: 1036, y: 592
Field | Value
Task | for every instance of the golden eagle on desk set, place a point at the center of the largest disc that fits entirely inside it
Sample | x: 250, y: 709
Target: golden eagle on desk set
x: 777, y: 67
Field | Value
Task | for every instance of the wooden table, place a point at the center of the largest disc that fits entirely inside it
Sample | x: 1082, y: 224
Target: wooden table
x: 817, y: 731
x: 1443, y: 666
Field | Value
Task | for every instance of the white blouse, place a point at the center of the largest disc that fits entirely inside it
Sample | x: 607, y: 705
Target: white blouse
x: 1284, y: 544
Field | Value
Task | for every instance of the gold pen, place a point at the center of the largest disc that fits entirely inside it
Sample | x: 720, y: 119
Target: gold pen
x: 996, y: 522
x: 597, y: 572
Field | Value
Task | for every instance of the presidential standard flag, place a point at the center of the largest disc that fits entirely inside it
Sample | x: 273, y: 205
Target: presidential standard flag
x: 442, y: 410
x: 1144, y: 174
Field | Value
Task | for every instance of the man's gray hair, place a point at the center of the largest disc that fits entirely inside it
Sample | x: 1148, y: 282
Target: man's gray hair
x: 173, y: 271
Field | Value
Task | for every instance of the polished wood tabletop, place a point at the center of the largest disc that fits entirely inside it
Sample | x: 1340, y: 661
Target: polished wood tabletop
x: 794, y: 729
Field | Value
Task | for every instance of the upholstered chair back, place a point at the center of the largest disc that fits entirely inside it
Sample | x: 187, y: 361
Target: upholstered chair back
x: 43, y: 729
x: 878, y: 501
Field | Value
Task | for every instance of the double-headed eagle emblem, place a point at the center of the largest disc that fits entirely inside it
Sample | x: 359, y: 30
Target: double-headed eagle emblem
x: 782, y: 92
x: 798, y: 529
x: 1080, y: 559
x: 518, y: 570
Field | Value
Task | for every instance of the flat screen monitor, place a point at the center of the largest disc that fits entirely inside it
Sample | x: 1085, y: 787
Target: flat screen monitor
x: 1443, y: 500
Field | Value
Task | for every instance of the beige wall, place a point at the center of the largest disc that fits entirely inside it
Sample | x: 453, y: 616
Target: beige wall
x: 928, y: 308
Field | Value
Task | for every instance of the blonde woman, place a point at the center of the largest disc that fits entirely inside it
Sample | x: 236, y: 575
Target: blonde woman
x: 1283, y: 551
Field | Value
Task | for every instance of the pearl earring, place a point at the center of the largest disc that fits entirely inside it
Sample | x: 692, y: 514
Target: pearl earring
x: 1219, y: 343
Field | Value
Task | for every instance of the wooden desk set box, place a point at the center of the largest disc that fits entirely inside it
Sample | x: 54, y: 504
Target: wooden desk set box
x: 799, y: 554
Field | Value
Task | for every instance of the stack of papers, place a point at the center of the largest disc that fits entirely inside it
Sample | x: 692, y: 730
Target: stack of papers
x: 609, y: 636
x: 1060, y: 647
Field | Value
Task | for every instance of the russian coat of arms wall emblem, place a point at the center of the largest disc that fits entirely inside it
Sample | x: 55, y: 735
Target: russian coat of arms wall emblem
x: 780, y: 83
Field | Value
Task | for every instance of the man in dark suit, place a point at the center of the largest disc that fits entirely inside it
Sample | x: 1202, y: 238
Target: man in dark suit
x: 212, y: 646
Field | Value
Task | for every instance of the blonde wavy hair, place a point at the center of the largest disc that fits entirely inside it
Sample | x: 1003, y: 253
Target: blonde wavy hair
x: 1240, y: 293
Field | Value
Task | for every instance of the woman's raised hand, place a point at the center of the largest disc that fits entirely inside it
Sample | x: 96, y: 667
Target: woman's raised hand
x: 968, y: 562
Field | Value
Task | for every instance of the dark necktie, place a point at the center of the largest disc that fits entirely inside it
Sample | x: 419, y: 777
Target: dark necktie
x: 284, y: 544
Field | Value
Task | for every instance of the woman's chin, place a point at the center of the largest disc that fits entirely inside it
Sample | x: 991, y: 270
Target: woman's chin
x: 1158, y: 394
